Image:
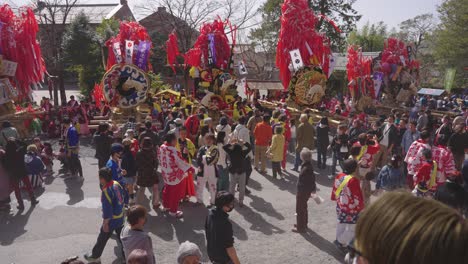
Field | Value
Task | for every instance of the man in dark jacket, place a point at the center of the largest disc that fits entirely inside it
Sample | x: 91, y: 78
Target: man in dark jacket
x: 102, y: 141
x: 218, y: 230
x: 305, y: 187
x: 237, y: 153
x: 151, y: 134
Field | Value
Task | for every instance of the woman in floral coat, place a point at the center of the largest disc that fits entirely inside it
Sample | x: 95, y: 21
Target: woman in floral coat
x: 349, y: 202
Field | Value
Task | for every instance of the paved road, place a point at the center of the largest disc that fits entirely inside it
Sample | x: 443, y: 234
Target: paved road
x: 67, y: 220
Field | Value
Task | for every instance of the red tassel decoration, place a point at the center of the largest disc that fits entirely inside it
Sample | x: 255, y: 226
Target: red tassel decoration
x: 172, y: 50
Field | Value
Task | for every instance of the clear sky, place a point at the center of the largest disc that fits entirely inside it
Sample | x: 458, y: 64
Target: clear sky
x: 392, y: 12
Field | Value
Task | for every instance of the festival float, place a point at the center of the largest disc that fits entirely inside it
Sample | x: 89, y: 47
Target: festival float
x: 210, y: 59
x: 125, y: 85
x: 22, y: 68
x: 363, y: 87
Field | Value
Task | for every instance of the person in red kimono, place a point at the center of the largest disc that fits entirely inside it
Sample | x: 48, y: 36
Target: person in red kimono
x: 349, y: 203
x: 425, y: 177
x: 369, y: 147
x: 444, y: 158
x: 174, y: 169
x: 414, y: 157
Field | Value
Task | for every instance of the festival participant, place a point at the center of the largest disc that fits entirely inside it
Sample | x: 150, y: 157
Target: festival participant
x: 355, y: 130
x: 147, y: 176
x: 422, y: 122
x: 275, y: 151
x: 187, y: 150
x: 83, y: 120
x: 349, y: 203
x: 458, y: 143
x: 444, y: 129
x: 322, y: 142
x: 410, y: 135
x: 102, y: 142
x: 305, y: 188
x: 388, y: 142
x: 188, y: 253
x: 150, y: 133
x: 339, y: 146
x: 224, y: 127
x: 72, y: 148
x: 112, y: 202
x: 305, y: 136
x: 134, y: 146
x: 173, y: 169
x: 221, y: 165
x: 252, y: 123
x: 412, y: 224
x: 72, y: 103
x: 193, y: 124
x: 128, y: 164
x: 207, y: 157
x: 34, y: 166
x: 237, y: 151
x: 444, y: 158
x: 13, y: 163
x: 287, y: 137
x: 178, y: 123
x: 292, y: 143
x: 241, y: 133
x: 132, y: 235
x: 369, y: 148
x: 130, y: 124
x: 263, y: 134
x: 218, y: 230
x: 425, y: 179
x: 8, y: 131
x: 414, y: 157
x: 4, y: 185
x: 114, y: 163
x: 390, y: 176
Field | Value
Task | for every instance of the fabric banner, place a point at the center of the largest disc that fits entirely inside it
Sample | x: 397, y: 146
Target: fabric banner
x: 296, y: 59
x: 378, y: 79
x: 242, y: 68
x: 129, y: 51
x: 8, y: 68
x: 211, y: 50
x: 142, y: 54
x: 449, y: 79
x: 331, y: 65
x: 117, y: 52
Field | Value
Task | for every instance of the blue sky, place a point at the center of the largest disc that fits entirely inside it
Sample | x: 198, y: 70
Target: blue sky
x: 392, y: 12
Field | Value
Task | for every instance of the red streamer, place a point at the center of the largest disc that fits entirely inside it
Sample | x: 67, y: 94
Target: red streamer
x: 172, y: 50
x: 98, y: 95
x: 298, y: 23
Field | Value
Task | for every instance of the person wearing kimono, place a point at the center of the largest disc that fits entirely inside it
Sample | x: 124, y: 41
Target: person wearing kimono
x: 187, y: 150
x: 414, y: 157
x: 426, y: 176
x: 173, y: 170
x: 34, y: 166
x: 208, y: 157
x: 444, y: 158
x: 349, y: 203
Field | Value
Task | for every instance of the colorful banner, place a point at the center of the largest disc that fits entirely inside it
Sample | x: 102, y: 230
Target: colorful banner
x: 331, y: 64
x: 296, y: 59
x: 449, y: 79
x: 211, y: 50
x: 378, y: 79
x: 117, y: 52
x: 142, y: 54
x: 129, y: 51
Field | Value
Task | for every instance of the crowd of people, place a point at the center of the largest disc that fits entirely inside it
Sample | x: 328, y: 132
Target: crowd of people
x: 190, y: 151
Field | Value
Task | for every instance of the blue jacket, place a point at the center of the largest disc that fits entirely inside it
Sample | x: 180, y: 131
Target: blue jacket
x: 112, y: 200
x: 116, y: 171
x: 72, y: 137
x: 34, y: 164
x: 389, y: 178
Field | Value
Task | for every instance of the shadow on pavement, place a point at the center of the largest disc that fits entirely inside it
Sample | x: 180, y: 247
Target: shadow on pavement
x: 74, y: 190
x: 12, y: 226
x: 254, y: 184
x: 260, y: 205
x: 323, y: 245
x: 258, y: 222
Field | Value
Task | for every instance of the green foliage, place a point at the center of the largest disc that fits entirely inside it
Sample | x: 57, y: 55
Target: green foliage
x: 370, y: 37
x: 78, y: 39
x: 451, y: 39
x: 344, y: 15
x: 416, y: 31
x: 158, y: 57
x: 157, y: 84
x: 266, y: 36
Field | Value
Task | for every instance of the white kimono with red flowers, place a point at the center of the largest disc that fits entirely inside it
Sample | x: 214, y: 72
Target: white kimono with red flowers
x: 173, y: 167
x: 445, y: 163
x: 414, y: 157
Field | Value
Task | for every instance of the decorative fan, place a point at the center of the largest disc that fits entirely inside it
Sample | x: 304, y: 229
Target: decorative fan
x: 125, y: 86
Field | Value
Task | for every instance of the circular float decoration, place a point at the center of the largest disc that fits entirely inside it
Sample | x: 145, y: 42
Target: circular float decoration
x: 125, y: 85
x: 307, y: 87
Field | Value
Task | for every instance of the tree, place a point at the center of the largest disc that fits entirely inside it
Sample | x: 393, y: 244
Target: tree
x: 416, y: 30
x: 82, y: 51
x: 451, y: 38
x: 53, y: 15
x: 340, y: 11
x: 370, y: 37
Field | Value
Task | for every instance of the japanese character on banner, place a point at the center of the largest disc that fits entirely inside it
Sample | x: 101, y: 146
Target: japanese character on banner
x: 402, y: 59
x: 117, y: 52
x: 242, y: 68
x: 129, y: 51
x: 296, y: 59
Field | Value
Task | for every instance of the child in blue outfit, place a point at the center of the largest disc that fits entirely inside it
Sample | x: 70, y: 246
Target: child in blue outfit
x: 390, y: 177
x: 112, y: 200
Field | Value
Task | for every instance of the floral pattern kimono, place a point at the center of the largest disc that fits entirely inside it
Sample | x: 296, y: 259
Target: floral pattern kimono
x: 445, y: 163
x: 350, y: 201
x: 414, y: 157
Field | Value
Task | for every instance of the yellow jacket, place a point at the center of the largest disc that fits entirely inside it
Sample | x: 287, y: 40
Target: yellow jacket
x: 277, y: 147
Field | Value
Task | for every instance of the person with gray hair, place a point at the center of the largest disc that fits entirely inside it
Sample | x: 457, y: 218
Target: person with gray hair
x: 305, y: 135
x: 305, y: 187
x: 188, y: 253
